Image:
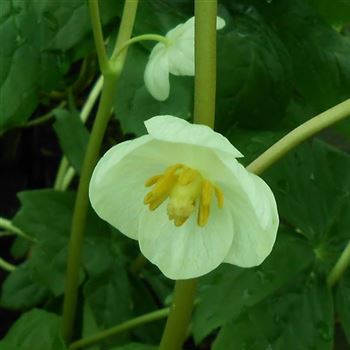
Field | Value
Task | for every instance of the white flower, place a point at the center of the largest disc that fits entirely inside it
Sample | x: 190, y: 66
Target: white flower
x: 182, y: 194
x: 175, y: 57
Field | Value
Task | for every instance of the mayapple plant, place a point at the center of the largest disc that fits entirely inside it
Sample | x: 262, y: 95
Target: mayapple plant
x: 181, y: 192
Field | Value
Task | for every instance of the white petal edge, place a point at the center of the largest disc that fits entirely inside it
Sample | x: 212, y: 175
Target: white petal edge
x: 117, y: 188
x: 177, y: 130
x: 255, y: 217
x: 187, y: 251
x: 156, y: 74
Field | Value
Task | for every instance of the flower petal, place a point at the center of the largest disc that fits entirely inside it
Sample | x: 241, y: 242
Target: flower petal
x: 157, y: 73
x: 172, y: 129
x: 181, y: 52
x: 255, y: 217
x: 117, y: 186
x: 187, y: 251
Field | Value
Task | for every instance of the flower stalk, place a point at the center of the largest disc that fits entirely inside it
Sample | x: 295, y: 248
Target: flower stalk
x: 105, y: 106
x: 123, y: 327
x: 340, y: 267
x: 176, y: 328
x: 299, y: 135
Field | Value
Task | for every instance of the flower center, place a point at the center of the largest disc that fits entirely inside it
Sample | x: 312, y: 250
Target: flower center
x: 185, y: 187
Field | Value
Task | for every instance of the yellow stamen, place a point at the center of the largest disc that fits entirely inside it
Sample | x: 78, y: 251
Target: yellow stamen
x: 204, y: 206
x: 184, y: 186
x: 219, y: 196
x: 153, y: 180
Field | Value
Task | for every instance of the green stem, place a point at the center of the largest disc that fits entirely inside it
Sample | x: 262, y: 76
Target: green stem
x: 6, y: 265
x: 81, y: 204
x: 176, y: 328
x: 205, y: 62
x: 340, y: 267
x: 139, y: 38
x: 62, y: 169
x: 44, y: 118
x: 98, y: 35
x: 91, y: 156
x: 126, y: 326
x: 298, y: 135
x: 8, y: 226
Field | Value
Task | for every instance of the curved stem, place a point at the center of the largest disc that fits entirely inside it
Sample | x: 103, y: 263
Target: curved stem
x: 139, y: 38
x: 126, y: 326
x: 298, y: 135
x: 176, y: 328
x: 340, y: 267
x: 8, y: 226
x: 91, y: 156
x: 44, y: 118
x: 98, y: 35
x: 6, y: 265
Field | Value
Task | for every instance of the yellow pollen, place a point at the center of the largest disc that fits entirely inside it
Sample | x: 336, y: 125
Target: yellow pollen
x: 184, y: 187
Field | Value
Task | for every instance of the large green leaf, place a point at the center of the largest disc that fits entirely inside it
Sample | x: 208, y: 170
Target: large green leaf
x: 232, y: 289
x: 311, y: 186
x: 73, y: 136
x: 319, y: 55
x: 47, y: 215
x: 253, y: 73
x: 336, y: 12
x: 36, y: 329
x: 35, y: 37
x: 108, y: 296
x: 295, y: 320
x: 20, y: 290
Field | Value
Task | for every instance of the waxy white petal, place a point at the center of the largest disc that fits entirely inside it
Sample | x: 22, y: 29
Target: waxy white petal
x: 157, y: 73
x: 170, y: 129
x: 255, y: 217
x: 187, y: 251
x: 117, y: 186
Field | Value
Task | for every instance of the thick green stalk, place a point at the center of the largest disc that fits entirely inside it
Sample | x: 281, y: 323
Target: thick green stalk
x: 299, y: 135
x: 98, y: 35
x: 81, y: 204
x: 126, y: 326
x: 176, y: 328
x: 340, y: 267
x: 205, y: 62
x: 91, y: 156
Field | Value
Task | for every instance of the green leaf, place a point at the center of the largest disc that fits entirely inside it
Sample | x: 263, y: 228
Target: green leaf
x: 36, y: 329
x: 134, y: 104
x: 232, y: 289
x: 342, y: 303
x: 108, y: 296
x: 36, y: 37
x: 319, y: 55
x: 73, y: 136
x: 47, y: 215
x: 253, y: 73
x: 295, y: 320
x: 20, y: 291
x: 336, y: 12
x: 44, y: 213
x: 311, y: 186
